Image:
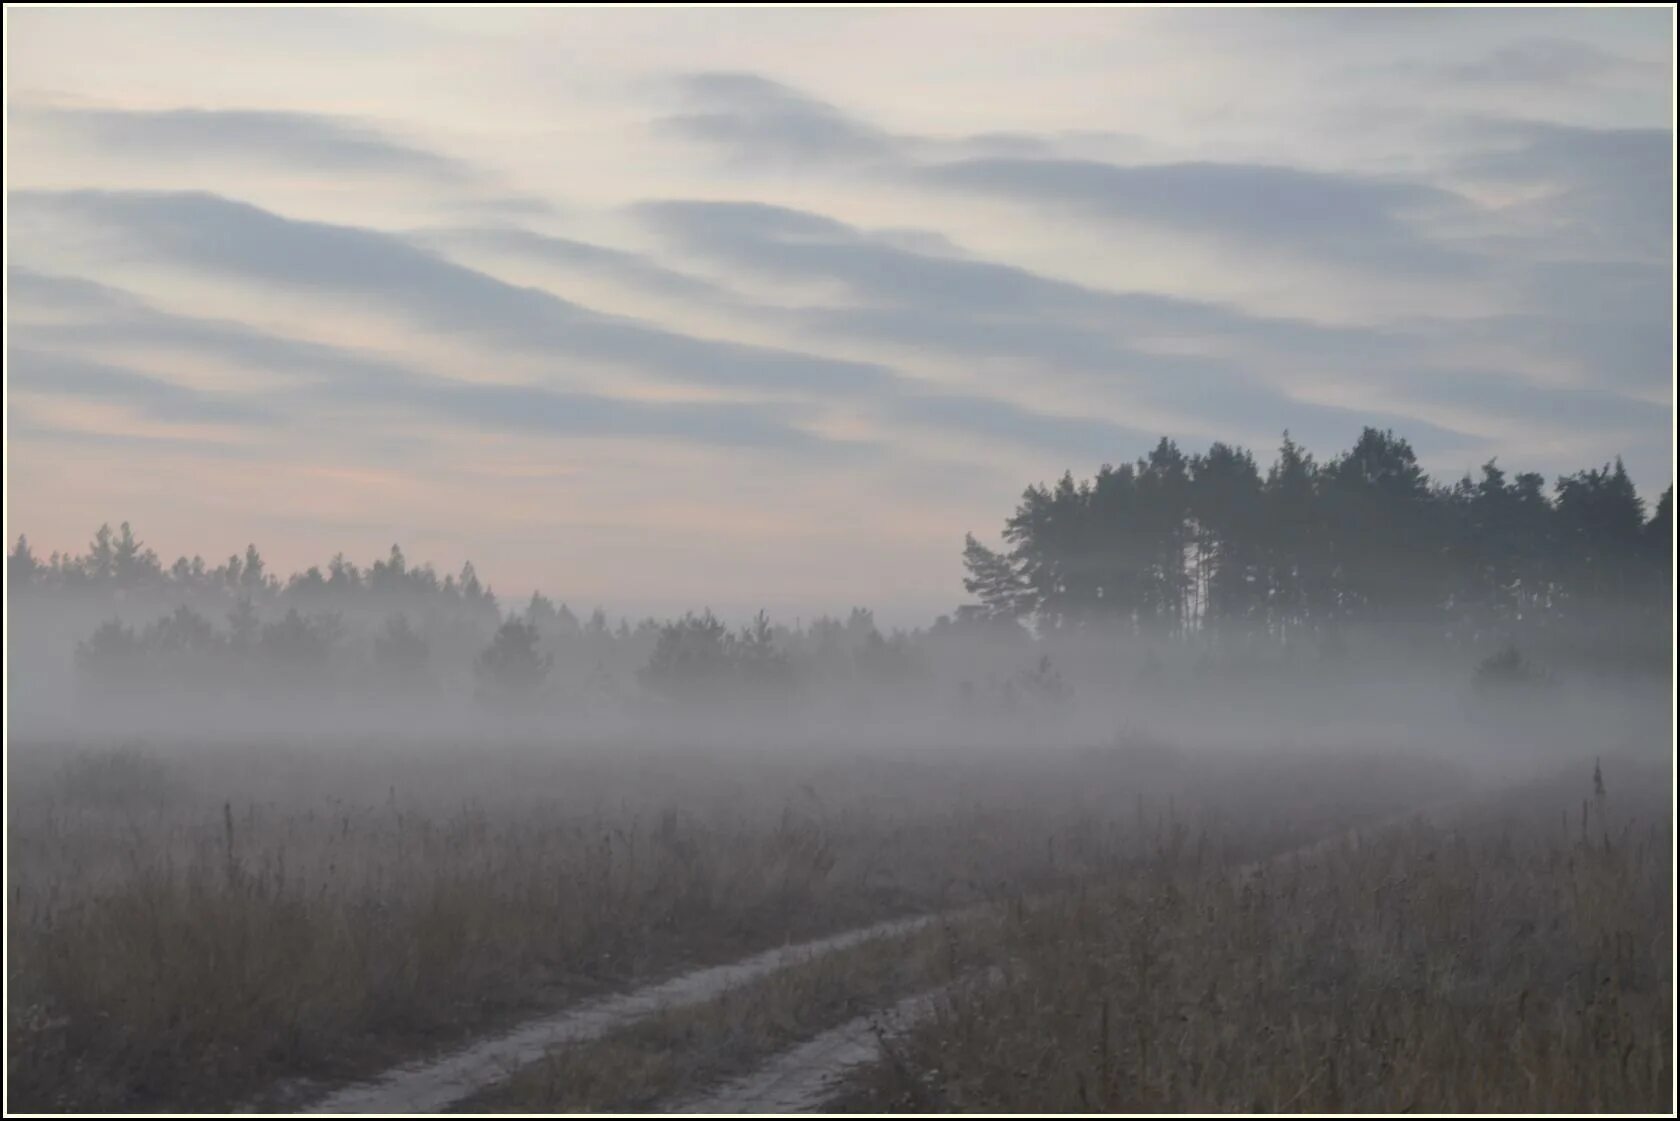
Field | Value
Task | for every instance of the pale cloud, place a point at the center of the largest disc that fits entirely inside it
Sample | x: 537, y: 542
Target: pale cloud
x: 281, y: 139
x: 324, y: 376
x: 43, y: 372
x: 581, y: 258
x: 234, y: 240
x: 1545, y: 62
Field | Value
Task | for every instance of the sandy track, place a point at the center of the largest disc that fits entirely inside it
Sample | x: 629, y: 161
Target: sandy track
x: 801, y: 1079
x: 430, y: 1087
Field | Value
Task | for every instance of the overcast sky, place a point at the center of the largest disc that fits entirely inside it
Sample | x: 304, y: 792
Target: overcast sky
x: 671, y: 308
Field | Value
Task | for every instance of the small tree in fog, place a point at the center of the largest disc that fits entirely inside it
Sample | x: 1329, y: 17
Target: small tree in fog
x: 187, y: 647
x: 1506, y: 668
x: 298, y: 642
x: 888, y: 662
x: 101, y: 560
x: 183, y: 630
x: 694, y: 655
x: 253, y: 574
x: 759, y: 664
x: 22, y: 566
x: 400, y: 651
x: 512, y: 665
x: 131, y: 562
x: 243, y: 624
x: 110, y: 655
x: 1042, y: 683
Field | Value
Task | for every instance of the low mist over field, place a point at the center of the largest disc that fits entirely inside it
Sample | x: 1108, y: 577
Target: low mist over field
x: 879, y: 559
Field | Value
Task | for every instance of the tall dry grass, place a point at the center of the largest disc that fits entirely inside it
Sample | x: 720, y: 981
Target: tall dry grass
x: 1515, y: 959
x: 193, y: 925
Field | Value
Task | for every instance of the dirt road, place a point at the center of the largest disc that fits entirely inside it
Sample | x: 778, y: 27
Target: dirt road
x: 432, y: 1086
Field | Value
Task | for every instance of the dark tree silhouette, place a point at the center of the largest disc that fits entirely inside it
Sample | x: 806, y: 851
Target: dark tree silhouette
x: 131, y: 563
x: 1171, y: 546
x: 101, y: 562
x: 994, y: 581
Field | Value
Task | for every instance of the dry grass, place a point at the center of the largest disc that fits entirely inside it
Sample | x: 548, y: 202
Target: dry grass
x: 1490, y: 964
x: 188, y: 954
x: 199, y: 976
x: 189, y: 926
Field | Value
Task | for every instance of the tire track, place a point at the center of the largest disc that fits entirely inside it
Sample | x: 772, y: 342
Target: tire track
x: 801, y: 1079
x: 432, y: 1086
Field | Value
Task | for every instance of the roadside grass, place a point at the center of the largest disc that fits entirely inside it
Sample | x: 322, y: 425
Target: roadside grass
x: 1516, y: 958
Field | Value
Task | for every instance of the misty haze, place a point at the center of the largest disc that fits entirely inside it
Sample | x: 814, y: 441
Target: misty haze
x: 839, y: 560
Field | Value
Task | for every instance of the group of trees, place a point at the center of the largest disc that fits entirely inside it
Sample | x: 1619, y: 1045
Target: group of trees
x: 297, y: 650
x: 186, y: 645
x: 693, y: 660
x: 1178, y: 545
x: 136, y: 626
x: 697, y: 657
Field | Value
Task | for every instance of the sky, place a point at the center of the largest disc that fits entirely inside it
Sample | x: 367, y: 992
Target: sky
x: 661, y: 309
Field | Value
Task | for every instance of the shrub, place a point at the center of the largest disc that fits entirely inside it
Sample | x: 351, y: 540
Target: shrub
x: 1506, y: 668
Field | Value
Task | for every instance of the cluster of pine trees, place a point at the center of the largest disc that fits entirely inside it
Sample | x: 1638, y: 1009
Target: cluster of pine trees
x: 1177, y: 545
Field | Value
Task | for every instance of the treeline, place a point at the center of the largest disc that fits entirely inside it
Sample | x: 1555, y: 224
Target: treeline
x: 137, y: 628
x: 1208, y: 546
x: 118, y: 562
x: 1201, y: 562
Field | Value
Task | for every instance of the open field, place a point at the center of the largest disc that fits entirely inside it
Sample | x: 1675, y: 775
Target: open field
x: 207, y: 925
